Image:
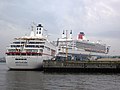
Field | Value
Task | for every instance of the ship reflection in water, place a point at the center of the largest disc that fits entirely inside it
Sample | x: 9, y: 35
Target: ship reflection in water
x: 37, y: 80
x: 24, y: 80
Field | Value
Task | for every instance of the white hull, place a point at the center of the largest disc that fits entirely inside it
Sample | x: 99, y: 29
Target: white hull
x: 27, y: 62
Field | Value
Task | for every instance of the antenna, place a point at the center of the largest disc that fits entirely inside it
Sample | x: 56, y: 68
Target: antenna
x: 66, y: 45
x: 45, y: 29
x: 34, y: 23
x: 32, y: 34
x: 70, y: 34
x: 31, y: 27
x: 63, y: 34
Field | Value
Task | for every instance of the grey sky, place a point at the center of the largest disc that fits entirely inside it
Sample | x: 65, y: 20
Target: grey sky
x: 99, y: 19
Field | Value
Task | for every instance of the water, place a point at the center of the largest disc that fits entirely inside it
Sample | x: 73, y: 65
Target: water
x: 37, y: 80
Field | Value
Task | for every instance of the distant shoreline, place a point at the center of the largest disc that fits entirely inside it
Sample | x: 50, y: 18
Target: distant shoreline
x: 2, y: 59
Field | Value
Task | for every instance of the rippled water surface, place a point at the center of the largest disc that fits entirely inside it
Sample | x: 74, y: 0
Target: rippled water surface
x: 38, y: 80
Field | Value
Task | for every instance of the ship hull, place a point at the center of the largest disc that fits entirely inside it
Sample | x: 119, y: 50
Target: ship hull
x: 25, y: 62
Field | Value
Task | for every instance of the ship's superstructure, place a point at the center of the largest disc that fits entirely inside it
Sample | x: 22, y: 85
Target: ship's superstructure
x: 28, y: 52
x: 80, y: 48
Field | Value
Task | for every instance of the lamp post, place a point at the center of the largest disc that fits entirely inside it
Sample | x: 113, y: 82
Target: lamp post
x: 66, y: 45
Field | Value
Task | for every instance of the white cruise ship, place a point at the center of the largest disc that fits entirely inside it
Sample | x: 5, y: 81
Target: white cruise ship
x: 28, y: 52
x: 80, y: 48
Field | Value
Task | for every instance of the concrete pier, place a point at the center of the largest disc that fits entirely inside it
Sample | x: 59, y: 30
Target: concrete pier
x: 82, y: 66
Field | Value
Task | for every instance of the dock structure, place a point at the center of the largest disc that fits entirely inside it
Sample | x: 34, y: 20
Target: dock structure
x: 82, y: 66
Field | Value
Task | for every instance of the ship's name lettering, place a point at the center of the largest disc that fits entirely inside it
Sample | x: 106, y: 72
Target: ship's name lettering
x: 20, y: 59
x: 20, y: 62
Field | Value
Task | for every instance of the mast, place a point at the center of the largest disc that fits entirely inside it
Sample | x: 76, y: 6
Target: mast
x: 71, y: 34
x: 66, y: 45
x: 32, y: 34
x: 63, y: 34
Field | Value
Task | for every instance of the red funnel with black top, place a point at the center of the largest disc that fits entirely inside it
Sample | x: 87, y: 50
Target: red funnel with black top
x: 80, y: 35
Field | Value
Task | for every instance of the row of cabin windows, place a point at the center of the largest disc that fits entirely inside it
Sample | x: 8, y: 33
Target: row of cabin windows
x: 12, y: 50
x: 16, y: 45
x: 24, y: 54
x: 36, y: 42
x: 35, y: 46
x: 90, y: 47
x: 33, y: 53
x: 32, y: 46
x: 18, y: 42
x: 27, y: 50
x: 29, y: 54
x: 29, y: 42
x: 31, y: 50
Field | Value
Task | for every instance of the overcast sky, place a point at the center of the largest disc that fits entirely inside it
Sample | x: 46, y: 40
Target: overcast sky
x: 99, y: 19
